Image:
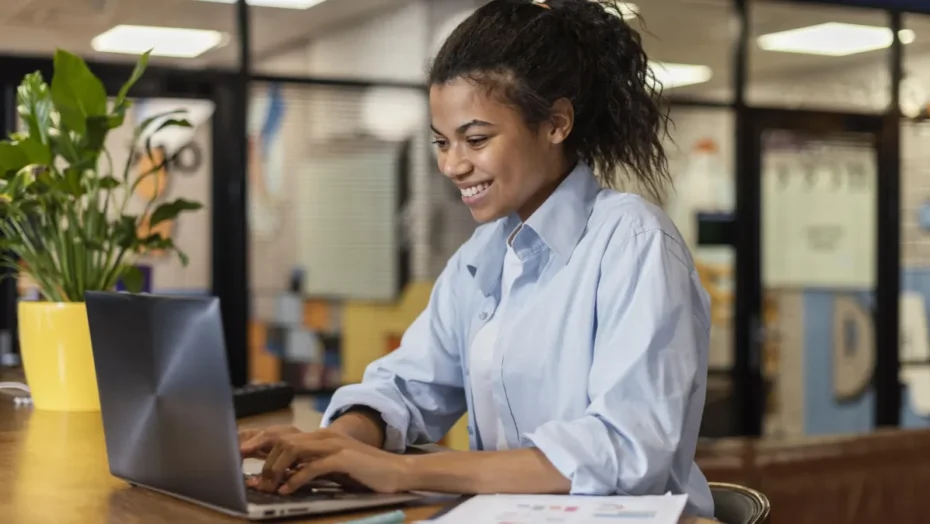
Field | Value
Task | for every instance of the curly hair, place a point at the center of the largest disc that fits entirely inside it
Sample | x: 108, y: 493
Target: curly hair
x: 530, y: 56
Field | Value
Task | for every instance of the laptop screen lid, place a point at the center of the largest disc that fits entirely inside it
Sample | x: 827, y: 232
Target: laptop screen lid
x: 165, y: 395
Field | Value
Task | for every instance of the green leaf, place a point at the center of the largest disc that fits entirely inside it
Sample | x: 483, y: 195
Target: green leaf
x: 12, y: 158
x: 109, y: 182
x: 141, y: 64
x: 95, y: 244
x: 124, y: 232
x: 45, y: 179
x: 76, y: 92
x: 97, y: 129
x: 73, y: 182
x: 170, y: 211
x: 34, y: 105
x: 67, y: 147
x: 36, y: 152
x: 20, y: 182
x: 182, y: 256
x: 133, y: 279
x: 155, y: 242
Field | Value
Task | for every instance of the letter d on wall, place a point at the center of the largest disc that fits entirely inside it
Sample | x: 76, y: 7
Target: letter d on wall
x: 853, y: 349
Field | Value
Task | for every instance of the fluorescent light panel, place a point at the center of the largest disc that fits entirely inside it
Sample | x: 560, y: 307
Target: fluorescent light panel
x: 163, y: 41
x: 671, y: 75
x: 281, y: 4
x: 833, y: 39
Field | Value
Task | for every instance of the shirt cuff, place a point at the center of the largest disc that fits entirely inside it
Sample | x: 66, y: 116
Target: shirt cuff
x: 396, y: 421
x: 578, y: 454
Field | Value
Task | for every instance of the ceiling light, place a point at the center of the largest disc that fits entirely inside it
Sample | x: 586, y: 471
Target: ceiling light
x: 281, y: 4
x: 833, y: 39
x: 670, y: 75
x: 163, y: 41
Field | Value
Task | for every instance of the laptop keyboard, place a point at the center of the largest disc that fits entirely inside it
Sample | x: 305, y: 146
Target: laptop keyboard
x: 312, y: 492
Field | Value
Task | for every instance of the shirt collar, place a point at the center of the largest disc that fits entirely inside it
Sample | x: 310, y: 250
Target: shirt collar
x: 558, y: 225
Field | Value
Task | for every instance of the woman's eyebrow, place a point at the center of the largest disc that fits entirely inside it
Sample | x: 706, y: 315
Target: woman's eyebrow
x: 464, y: 127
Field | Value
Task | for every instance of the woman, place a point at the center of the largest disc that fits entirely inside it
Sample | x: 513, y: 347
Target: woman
x: 572, y: 327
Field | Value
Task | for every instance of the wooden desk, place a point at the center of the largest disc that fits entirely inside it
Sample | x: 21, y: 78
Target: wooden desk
x: 53, y: 468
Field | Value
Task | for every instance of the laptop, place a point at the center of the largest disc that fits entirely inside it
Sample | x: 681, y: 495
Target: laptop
x: 167, y: 406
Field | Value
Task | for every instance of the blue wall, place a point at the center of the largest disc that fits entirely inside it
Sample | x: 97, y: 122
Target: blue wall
x: 822, y: 413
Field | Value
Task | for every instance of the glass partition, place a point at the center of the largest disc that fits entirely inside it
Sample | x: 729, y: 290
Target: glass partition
x: 701, y: 203
x: 334, y: 174
x: 690, y: 44
x: 819, y: 57
x: 914, y: 352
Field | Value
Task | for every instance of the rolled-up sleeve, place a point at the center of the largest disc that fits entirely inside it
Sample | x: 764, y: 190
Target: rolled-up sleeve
x: 650, y: 345
x: 418, y: 388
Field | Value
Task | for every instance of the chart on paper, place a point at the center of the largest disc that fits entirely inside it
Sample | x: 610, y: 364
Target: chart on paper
x: 558, y: 509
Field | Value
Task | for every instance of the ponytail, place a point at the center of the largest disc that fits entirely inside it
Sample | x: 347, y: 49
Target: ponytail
x: 530, y: 56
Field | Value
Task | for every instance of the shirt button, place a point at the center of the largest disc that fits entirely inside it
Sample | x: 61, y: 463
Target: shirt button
x: 483, y: 316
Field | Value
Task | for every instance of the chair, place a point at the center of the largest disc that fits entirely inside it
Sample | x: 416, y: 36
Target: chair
x: 736, y: 504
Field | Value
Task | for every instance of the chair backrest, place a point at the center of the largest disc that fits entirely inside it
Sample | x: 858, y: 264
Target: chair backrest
x: 736, y: 504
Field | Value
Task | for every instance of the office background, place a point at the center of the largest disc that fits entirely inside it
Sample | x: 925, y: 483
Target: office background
x: 802, y: 185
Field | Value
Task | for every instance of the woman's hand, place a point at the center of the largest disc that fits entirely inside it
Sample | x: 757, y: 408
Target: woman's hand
x: 325, y: 453
x: 258, y: 442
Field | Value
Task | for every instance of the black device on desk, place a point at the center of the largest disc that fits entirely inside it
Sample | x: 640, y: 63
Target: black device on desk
x: 255, y: 399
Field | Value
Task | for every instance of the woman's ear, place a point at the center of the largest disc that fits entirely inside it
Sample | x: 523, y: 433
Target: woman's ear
x: 562, y: 118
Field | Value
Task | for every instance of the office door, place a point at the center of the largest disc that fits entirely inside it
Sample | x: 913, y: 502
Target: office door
x: 816, y: 287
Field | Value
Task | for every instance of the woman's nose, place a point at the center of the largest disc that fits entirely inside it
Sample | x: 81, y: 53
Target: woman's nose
x: 455, y: 164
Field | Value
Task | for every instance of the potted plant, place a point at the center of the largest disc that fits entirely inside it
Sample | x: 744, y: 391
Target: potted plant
x: 64, y: 219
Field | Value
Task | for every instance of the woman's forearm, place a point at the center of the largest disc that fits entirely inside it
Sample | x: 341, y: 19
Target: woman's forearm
x: 475, y: 472
x: 361, y: 426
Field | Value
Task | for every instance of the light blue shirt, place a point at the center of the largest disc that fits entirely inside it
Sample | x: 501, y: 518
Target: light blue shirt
x: 601, y: 358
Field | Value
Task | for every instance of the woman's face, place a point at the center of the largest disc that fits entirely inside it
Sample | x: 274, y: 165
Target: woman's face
x: 500, y: 165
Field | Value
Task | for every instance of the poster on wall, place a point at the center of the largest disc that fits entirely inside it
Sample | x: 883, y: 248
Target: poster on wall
x: 267, y: 174
x: 818, y: 212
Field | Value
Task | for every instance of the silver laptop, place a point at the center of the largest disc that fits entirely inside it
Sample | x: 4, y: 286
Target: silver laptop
x: 167, y: 407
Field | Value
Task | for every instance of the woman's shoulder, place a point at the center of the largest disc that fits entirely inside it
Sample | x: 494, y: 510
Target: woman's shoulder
x: 629, y: 211
x: 624, y: 216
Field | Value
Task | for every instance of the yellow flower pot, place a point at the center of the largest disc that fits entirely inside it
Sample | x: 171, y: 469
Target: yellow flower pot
x: 57, y: 357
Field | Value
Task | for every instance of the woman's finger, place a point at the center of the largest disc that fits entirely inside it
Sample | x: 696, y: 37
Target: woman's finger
x: 246, y: 434
x: 257, y: 445
x: 268, y: 475
x: 254, y: 441
x: 282, y: 463
x: 311, y: 471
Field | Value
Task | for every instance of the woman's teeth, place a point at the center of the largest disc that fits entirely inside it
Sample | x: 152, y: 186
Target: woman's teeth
x: 475, y: 190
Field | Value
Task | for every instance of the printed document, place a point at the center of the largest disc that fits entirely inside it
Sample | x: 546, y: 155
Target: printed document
x: 566, y: 509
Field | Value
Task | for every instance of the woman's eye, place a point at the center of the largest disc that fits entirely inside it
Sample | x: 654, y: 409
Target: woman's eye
x: 477, y: 141
x: 440, y: 143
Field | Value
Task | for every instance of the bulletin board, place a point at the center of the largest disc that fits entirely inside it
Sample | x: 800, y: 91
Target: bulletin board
x: 819, y: 212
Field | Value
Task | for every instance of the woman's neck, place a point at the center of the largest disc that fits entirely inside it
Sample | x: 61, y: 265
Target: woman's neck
x: 537, y: 200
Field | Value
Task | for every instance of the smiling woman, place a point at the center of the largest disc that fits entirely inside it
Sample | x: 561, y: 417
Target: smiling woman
x: 544, y: 106
x: 572, y: 327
